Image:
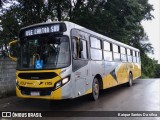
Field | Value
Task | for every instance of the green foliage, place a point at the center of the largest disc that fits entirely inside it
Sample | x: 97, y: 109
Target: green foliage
x: 157, y: 71
x: 148, y: 66
x: 118, y: 19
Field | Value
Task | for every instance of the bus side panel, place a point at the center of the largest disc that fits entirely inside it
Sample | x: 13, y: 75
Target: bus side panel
x: 110, y: 78
x: 81, y: 76
x: 115, y: 74
x: 136, y: 71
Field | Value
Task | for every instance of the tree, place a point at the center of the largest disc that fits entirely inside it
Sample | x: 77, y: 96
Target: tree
x: 148, y: 66
x: 157, y: 71
x: 118, y: 19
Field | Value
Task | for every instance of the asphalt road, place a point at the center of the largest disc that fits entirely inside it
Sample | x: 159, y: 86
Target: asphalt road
x: 144, y: 95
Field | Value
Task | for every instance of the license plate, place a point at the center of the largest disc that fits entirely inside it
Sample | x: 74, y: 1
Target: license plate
x: 35, y: 93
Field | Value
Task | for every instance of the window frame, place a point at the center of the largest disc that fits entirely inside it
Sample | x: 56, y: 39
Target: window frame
x: 83, y: 48
x: 104, y: 50
x: 101, y: 47
x: 124, y: 52
x: 98, y: 40
x: 118, y: 51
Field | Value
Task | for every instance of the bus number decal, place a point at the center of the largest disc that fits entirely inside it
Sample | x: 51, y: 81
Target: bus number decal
x: 48, y: 83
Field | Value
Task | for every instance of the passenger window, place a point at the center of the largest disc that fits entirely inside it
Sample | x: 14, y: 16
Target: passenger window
x: 79, y: 48
x: 107, y: 51
x: 108, y: 55
x: 123, y: 54
x: 96, y: 49
x: 116, y: 53
x: 128, y: 52
x: 107, y: 46
x: 96, y: 54
x: 115, y: 48
x: 95, y: 43
x: 123, y: 50
x: 134, y: 56
x: 84, y: 51
x: 129, y: 55
x: 138, y: 57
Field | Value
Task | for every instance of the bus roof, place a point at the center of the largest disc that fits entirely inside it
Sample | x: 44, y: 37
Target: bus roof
x: 71, y: 25
x: 100, y: 35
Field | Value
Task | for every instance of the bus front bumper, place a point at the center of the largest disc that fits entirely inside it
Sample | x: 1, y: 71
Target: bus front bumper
x: 63, y: 92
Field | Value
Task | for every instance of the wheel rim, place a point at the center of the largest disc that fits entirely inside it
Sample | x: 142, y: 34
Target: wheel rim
x: 96, y: 89
x: 130, y: 80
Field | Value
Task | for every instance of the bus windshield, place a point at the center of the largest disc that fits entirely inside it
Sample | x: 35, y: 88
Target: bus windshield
x: 47, y: 52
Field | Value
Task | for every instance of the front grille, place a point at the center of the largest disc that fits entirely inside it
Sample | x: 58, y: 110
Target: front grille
x: 37, y: 76
x: 42, y: 91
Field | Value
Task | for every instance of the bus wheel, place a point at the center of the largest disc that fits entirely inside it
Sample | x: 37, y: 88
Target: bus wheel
x: 95, y: 89
x: 130, y: 81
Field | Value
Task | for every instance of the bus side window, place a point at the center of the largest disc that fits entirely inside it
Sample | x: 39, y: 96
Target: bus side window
x: 74, y: 48
x: 129, y: 55
x: 96, y: 48
x: 134, y: 56
x: 107, y: 51
x: 79, y: 48
x: 116, y: 52
x: 138, y: 57
x: 84, y: 51
x: 123, y: 54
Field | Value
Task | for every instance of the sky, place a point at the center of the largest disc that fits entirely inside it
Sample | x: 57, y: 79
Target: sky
x: 152, y: 28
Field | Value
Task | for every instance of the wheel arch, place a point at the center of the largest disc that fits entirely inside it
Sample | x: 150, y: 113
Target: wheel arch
x: 130, y: 72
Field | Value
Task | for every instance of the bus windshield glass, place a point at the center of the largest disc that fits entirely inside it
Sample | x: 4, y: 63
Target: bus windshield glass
x: 47, y: 52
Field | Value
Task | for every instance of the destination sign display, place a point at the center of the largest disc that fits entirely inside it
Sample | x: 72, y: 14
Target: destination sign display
x: 42, y: 30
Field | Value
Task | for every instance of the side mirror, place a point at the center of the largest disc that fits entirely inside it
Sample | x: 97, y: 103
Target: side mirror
x: 12, y: 50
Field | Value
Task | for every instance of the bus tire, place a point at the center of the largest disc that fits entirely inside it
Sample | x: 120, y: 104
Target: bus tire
x: 95, y: 89
x: 130, y: 81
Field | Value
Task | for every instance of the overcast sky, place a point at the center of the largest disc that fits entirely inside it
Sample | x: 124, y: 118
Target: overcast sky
x: 152, y: 29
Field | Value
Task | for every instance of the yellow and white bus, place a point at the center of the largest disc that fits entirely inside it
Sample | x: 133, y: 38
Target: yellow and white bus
x: 61, y: 60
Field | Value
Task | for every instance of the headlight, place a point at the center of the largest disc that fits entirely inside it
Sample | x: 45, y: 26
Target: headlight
x: 62, y: 82
x: 65, y: 80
